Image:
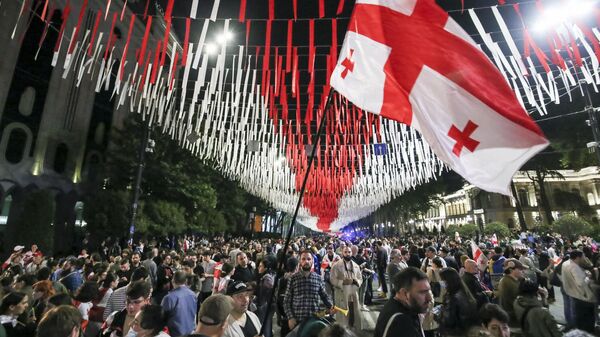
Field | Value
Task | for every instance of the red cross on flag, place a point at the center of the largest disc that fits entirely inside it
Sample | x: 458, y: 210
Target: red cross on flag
x: 409, y: 61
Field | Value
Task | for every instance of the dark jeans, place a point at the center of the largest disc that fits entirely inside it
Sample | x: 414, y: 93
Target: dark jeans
x: 381, y: 275
x: 369, y: 291
x: 583, y: 314
x: 568, y: 310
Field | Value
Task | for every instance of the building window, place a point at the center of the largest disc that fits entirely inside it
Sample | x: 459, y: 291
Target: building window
x: 60, y: 158
x: 591, y: 199
x: 27, y: 101
x: 15, y: 147
x: 523, y: 198
x: 5, y: 210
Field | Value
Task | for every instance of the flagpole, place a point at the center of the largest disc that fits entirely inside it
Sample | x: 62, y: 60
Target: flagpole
x: 280, y: 264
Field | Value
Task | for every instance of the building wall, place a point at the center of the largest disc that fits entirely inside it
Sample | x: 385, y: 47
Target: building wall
x: 63, y: 128
x: 472, y: 205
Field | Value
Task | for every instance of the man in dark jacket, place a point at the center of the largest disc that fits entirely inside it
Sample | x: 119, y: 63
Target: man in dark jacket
x: 473, y: 283
x: 243, y: 270
x: 382, y: 261
x: 400, y: 314
x: 532, y: 315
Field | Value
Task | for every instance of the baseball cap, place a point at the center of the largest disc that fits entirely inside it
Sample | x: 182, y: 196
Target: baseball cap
x: 18, y: 248
x: 237, y: 287
x: 215, y: 309
x: 514, y: 263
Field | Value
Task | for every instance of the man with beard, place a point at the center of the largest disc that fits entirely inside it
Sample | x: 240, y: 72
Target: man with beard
x: 401, y: 313
x: 347, y: 278
x: 302, y: 295
x: 243, y: 270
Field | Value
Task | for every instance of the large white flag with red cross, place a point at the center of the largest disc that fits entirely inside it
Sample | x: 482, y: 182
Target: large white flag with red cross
x: 409, y: 61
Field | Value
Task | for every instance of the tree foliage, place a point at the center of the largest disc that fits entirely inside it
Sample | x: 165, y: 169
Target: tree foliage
x: 466, y: 231
x: 571, y: 226
x: 179, y: 192
x: 500, y: 229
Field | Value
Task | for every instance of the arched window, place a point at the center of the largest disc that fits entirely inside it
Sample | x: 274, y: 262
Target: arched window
x: 27, y: 101
x: 591, y: 199
x: 15, y: 147
x: 60, y: 158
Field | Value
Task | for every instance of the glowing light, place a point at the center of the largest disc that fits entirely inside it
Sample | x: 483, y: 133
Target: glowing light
x: 211, y: 49
x: 224, y: 37
x: 567, y: 11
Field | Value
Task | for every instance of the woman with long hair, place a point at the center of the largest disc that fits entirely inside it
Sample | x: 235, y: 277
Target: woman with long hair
x: 13, y: 306
x: 42, y: 291
x: 459, y: 309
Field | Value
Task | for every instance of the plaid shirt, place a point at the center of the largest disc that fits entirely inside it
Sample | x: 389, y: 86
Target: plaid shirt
x: 302, y: 296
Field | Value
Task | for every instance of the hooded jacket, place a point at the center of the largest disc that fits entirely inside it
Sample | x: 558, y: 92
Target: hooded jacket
x: 539, y: 321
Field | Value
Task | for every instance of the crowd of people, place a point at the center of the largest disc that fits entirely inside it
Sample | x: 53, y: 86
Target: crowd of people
x: 235, y: 287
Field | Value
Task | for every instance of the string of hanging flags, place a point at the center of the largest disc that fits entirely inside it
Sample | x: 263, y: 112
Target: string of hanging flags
x: 253, y: 110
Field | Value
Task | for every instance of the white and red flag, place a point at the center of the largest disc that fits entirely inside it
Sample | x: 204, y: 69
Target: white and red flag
x: 477, y: 254
x: 409, y: 61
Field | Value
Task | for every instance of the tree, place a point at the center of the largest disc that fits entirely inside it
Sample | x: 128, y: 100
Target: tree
x: 501, y: 230
x: 467, y: 231
x: 574, y: 202
x: 161, y: 217
x: 107, y: 213
x: 571, y: 226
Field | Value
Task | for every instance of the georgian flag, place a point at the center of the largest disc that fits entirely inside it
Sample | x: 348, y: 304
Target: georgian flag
x: 409, y: 61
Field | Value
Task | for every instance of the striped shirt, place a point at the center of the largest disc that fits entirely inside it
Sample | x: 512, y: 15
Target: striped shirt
x: 116, y: 301
x: 302, y: 296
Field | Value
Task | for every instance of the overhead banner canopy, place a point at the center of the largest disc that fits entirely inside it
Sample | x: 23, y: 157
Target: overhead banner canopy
x: 247, y: 91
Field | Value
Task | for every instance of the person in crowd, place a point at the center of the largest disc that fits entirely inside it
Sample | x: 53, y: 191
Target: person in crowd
x: 303, y: 292
x: 119, y: 323
x: 243, y: 270
x: 136, y: 261
x: 449, y: 259
x: 124, y: 273
x: 61, y: 321
x: 45, y: 273
x: 401, y: 313
x: 494, y: 321
x: 72, y: 278
x: 117, y: 300
x: 329, y: 259
x: 496, y: 266
x: 264, y: 291
x: 150, y: 266
x: 395, y: 266
x: 531, y: 313
x: 37, y: 262
x: 227, y: 270
x: 472, y: 280
x: 336, y: 330
x: 208, y: 264
x: 149, y: 322
x: 346, y: 277
x: 577, y: 286
x: 83, y: 300
x: 24, y: 283
x: 42, y: 291
x: 212, y: 316
x: 13, y: 307
x: 291, y: 268
x: 164, y: 274
x: 366, y: 272
x: 241, y: 322
x: 430, y: 254
x: 382, y: 262
x: 180, y: 306
x: 508, y: 288
x: 459, y: 309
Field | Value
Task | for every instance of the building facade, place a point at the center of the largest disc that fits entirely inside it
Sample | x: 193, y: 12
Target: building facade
x: 55, y: 128
x: 571, y: 192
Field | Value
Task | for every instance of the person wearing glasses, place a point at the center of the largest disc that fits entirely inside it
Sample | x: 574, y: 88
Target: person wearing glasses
x: 119, y: 322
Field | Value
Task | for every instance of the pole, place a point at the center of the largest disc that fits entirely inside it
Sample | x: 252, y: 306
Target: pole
x: 281, y: 261
x: 589, y: 108
x: 138, y: 180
